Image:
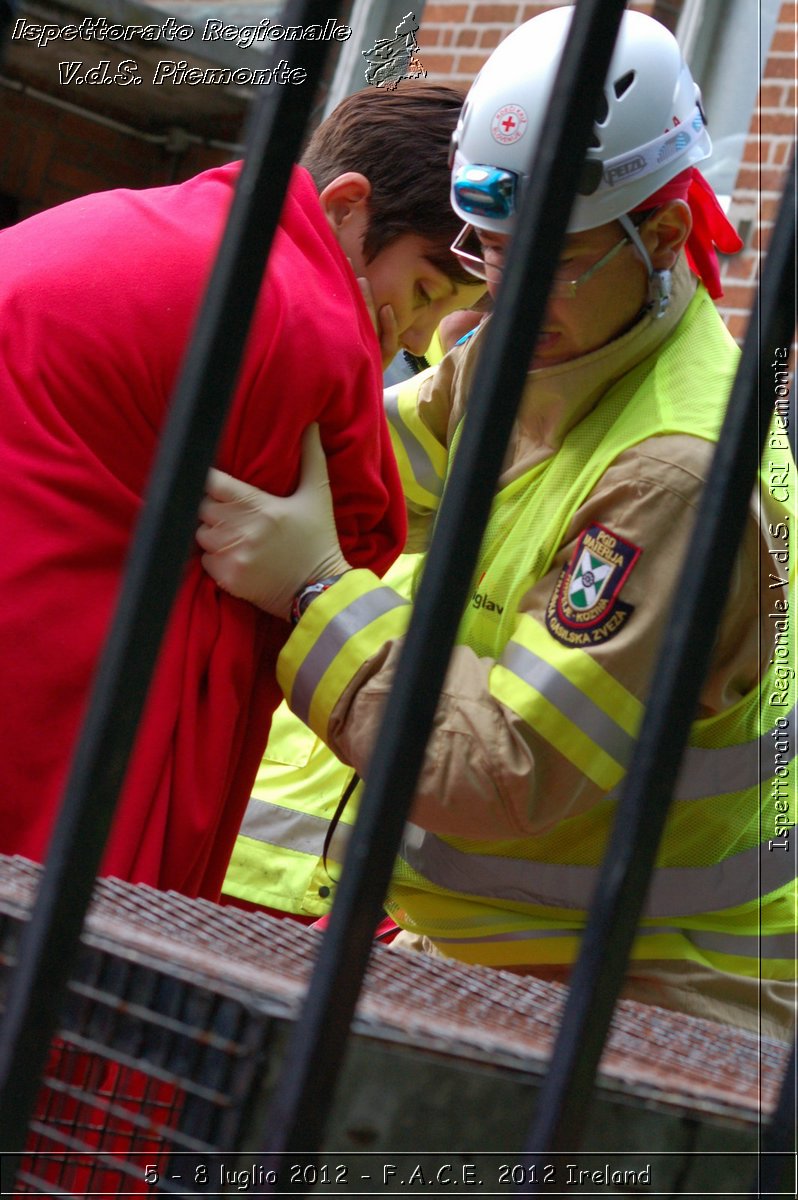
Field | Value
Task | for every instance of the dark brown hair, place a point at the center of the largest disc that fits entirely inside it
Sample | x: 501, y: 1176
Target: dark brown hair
x: 400, y: 141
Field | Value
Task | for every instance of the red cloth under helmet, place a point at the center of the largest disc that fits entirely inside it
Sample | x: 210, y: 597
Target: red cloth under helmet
x: 711, y: 227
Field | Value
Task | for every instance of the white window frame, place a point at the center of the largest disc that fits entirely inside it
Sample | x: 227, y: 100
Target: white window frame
x: 726, y: 43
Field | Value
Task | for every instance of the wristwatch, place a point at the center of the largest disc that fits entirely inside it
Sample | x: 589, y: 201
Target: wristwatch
x: 309, y: 593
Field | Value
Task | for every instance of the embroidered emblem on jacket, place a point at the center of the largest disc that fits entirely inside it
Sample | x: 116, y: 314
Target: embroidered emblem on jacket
x: 585, y: 608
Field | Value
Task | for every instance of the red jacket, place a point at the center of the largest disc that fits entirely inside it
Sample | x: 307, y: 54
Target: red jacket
x: 97, y: 299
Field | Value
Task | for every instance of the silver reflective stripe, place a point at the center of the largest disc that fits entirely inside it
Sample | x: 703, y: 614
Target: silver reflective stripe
x: 290, y: 829
x: 674, y: 891
x: 774, y: 945
x: 420, y: 463
x: 570, y: 701
x: 780, y: 945
x: 493, y: 877
x: 703, y: 772
x: 731, y: 768
x: 356, y: 616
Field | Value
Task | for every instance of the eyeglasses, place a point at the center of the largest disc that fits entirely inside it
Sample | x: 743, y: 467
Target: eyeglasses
x: 468, y: 250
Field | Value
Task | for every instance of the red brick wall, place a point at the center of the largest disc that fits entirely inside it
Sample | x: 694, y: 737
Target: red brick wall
x: 763, y: 171
x: 456, y: 36
x: 49, y: 155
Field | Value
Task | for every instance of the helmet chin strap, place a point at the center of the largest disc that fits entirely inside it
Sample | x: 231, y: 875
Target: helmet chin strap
x: 659, y: 282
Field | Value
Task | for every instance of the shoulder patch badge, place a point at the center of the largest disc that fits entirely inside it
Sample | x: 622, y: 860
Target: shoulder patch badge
x: 585, y: 609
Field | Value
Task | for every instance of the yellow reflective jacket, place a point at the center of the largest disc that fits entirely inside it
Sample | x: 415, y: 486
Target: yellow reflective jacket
x: 278, y: 859
x: 723, y: 893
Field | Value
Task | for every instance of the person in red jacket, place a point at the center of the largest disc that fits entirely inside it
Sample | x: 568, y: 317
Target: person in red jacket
x: 97, y: 300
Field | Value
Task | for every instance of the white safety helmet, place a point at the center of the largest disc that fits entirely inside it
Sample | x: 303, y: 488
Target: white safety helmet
x: 650, y: 127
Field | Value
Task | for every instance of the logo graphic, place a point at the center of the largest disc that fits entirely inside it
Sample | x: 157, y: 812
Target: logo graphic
x: 588, y: 581
x: 482, y: 599
x: 673, y: 146
x: 509, y: 124
x: 393, y: 59
x: 622, y: 170
x: 585, y: 608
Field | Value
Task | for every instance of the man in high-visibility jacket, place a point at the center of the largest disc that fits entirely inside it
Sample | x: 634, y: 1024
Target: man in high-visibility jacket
x: 580, y: 563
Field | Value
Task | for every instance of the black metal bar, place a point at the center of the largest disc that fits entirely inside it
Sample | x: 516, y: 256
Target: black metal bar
x: 683, y: 662
x: 777, y: 1162
x: 296, y: 1117
x: 7, y: 10
x: 152, y: 577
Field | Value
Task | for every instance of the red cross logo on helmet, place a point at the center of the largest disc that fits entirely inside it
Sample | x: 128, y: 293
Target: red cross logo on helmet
x: 509, y: 124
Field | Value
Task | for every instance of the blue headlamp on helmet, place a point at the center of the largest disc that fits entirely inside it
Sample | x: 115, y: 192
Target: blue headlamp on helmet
x: 486, y: 191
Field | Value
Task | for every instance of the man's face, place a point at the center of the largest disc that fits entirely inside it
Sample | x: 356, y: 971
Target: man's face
x: 419, y: 294
x: 600, y: 309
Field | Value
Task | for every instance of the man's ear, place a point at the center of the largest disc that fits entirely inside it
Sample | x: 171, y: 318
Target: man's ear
x: 665, y: 233
x: 344, y: 197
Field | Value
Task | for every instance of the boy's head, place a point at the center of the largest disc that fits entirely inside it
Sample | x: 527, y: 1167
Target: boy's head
x: 399, y: 140
x: 380, y: 163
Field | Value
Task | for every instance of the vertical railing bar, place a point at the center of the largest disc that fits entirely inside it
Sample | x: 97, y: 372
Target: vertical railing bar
x: 777, y: 1151
x: 7, y: 9
x: 152, y: 576
x: 682, y: 664
x: 295, y: 1118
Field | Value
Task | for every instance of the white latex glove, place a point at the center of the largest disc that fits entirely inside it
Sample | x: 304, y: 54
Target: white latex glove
x: 265, y: 548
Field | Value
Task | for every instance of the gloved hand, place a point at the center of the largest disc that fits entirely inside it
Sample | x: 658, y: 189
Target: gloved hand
x: 265, y: 548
